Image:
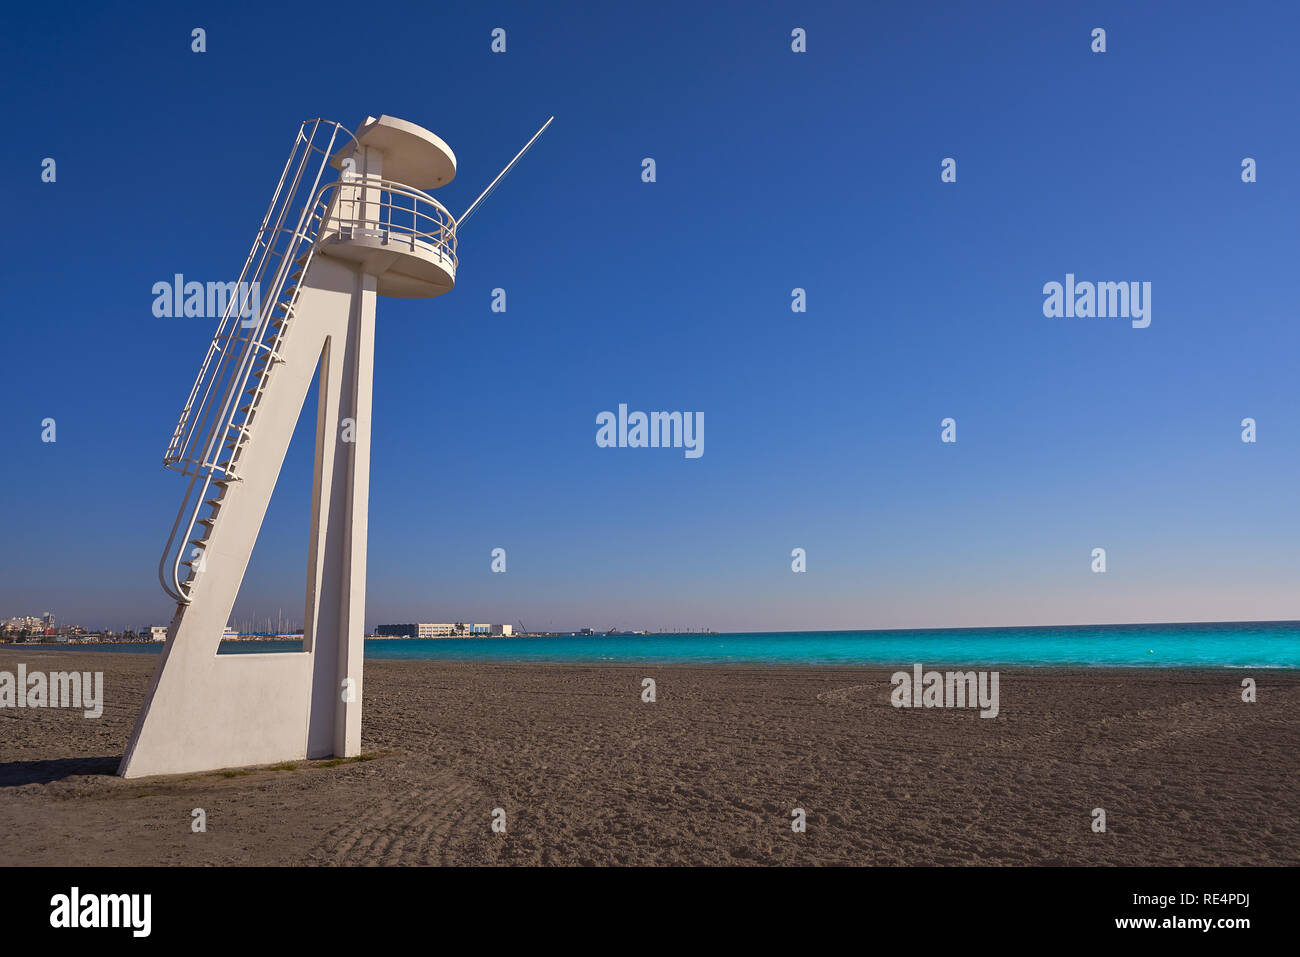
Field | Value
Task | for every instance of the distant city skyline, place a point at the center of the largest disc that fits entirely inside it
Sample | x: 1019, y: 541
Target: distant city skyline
x: 814, y: 179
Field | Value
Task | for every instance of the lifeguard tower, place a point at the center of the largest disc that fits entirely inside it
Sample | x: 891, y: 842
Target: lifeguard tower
x: 304, y: 308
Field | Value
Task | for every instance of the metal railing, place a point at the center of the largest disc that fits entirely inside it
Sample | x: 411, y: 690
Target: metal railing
x: 213, y: 426
x: 217, y: 418
x: 393, y: 214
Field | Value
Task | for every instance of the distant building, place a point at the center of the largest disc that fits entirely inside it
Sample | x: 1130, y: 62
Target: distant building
x: 25, y: 623
x: 158, y: 632
x: 444, y: 630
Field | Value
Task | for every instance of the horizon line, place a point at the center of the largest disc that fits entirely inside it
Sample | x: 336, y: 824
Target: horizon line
x: 805, y: 631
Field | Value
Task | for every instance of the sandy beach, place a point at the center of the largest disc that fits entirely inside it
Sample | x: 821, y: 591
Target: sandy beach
x: 588, y: 773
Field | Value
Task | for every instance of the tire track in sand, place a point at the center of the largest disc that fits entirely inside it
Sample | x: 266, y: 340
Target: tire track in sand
x: 407, y: 825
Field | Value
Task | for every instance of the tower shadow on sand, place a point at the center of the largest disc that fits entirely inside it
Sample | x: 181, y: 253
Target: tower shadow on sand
x: 17, y: 773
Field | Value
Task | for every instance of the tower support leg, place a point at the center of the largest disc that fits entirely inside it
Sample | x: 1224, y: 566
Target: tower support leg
x: 336, y: 603
x: 205, y: 711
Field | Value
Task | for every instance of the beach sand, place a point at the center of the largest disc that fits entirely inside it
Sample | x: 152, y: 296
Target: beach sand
x: 708, y: 774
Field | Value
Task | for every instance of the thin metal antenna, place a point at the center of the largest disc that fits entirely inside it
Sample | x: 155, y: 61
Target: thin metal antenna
x: 501, y: 175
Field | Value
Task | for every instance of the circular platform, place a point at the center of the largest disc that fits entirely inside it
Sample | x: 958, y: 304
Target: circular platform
x: 412, y: 154
x: 404, y: 268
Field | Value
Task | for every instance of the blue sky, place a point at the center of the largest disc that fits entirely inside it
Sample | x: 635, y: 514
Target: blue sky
x: 775, y: 170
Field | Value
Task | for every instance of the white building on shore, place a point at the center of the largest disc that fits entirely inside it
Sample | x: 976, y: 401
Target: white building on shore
x: 458, y: 629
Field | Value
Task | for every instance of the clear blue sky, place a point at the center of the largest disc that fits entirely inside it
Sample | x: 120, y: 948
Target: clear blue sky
x: 775, y: 170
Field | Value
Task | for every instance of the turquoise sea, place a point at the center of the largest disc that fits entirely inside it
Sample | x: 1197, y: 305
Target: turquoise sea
x: 1212, y: 645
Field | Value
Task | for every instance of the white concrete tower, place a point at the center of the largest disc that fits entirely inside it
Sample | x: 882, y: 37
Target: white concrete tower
x: 304, y: 310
